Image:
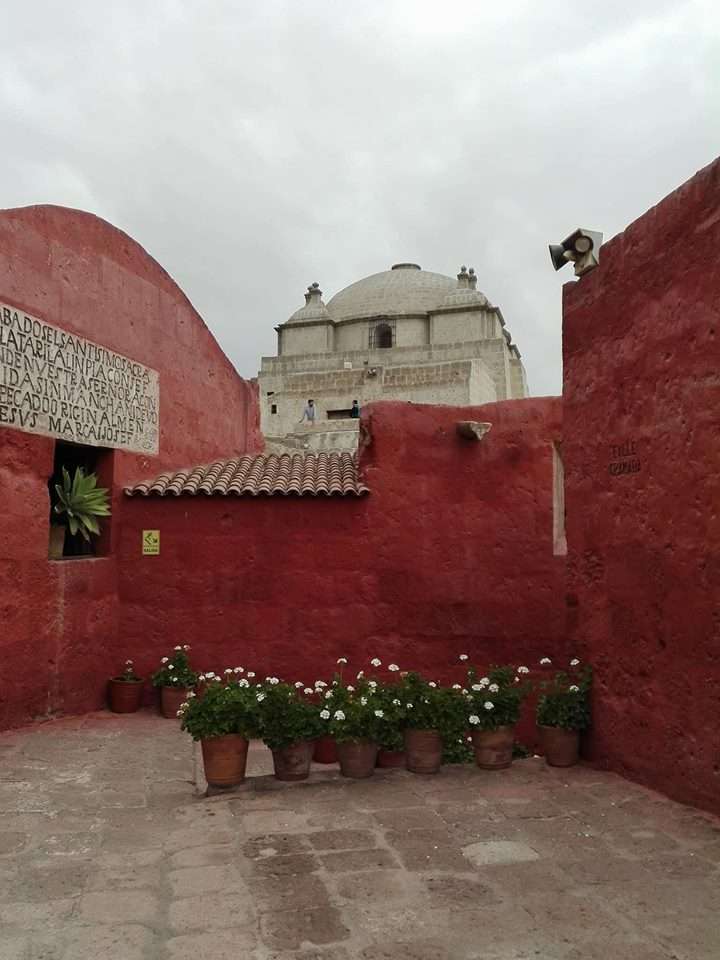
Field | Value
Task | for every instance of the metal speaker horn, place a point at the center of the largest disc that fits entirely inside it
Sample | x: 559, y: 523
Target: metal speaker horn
x: 557, y: 255
x: 582, y: 248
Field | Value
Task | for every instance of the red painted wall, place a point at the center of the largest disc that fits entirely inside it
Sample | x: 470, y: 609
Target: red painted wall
x: 641, y: 341
x: 450, y: 553
x: 58, y: 620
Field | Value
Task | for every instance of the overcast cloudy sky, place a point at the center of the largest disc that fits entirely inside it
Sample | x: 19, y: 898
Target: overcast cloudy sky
x: 252, y: 148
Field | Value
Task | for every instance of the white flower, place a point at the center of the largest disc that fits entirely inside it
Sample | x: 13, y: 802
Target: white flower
x: 393, y: 667
x: 178, y: 648
x: 325, y: 714
x: 179, y: 713
x: 373, y: 684
x: 260, y: 697
x: 227, y: 670
x: 409, y: 706
x: 251, y: 674
x: 573, y: 663
x: 274, y: 681
x: 523, y: 670
x: 201, y: 676
x: 164, y: 660
x: 484, y: 681
x: 238, y: 670
x: 363, y: 701
x: 396, y: 703
x: 488, y: 705
x: 574, y: 689
x: 432, y: 684
x: 298, y: 684
x: 456, y: 686
x: 493, y: 688
x: 379, y: 714
x: 375, y: 662
x: 478, y: 686
x: 463, y: 656
x: 341, y: 660
x: 545, y: 661
x: 517, y: 679
x: 351, y: 689
x: 360, y: 675
x: 338, y: 715
x: 186, y: 646
x: 328, y: 694
x: 192, y: 694
x: 320, y: 684
x: 128, y: 663
x: 243, y: 682
x: 474, y: 718
x: 308, y: 691
x: 170, y: 667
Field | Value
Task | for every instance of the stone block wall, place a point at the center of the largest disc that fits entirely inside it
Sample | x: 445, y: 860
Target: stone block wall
x: 641, y: 452
x: 59, y: 621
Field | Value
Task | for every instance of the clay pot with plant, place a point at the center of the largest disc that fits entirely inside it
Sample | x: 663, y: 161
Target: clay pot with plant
x: 391, y: 741
x: 125, y: 691
x: 355, y: 718
x: 289, y: 725
x: 175, y: 679
x: 493, y: 703
x: 428, y: 709
x: 78, y: 504
x: 223, y: 720
x: 563, y: 713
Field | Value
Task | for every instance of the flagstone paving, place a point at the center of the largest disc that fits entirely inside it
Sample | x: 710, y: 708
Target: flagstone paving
x: 108, y: 850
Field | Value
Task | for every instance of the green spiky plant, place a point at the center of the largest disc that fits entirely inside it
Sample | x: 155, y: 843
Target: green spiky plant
x: 80, y: 502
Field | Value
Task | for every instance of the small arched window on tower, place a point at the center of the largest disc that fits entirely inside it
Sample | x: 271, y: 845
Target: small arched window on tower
x: 383, y: 336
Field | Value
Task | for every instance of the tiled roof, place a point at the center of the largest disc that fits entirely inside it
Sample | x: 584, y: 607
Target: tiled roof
x: 301, y: 474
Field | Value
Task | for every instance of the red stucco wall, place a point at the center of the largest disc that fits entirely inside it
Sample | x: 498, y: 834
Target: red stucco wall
x: 642, y: 354
x: 450, y: 553
x: 58, y: 621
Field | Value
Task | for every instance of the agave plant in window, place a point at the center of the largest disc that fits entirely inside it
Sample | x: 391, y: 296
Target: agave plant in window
x: 79, y: 504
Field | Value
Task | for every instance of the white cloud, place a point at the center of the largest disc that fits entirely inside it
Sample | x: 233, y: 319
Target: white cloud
x: 255, y: 148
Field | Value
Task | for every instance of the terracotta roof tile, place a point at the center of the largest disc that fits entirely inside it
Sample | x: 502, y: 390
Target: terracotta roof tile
x: 301, y: 474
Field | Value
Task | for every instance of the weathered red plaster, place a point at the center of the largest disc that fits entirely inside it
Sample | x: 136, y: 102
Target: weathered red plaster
x: 450, y: 553
x: 641, y: 338
x: 59, y: 621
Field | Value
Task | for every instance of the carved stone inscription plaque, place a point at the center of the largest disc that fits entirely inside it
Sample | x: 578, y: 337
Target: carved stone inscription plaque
x: 60, y: 385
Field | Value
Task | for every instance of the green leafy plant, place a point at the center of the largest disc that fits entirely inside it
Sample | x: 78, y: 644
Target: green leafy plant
x: 495, y: 700
x: 175, y: 671
x: 224, y: 708
x: 426, y: 705
x: 128, y: 674
x: 353, y: 712
x: 286, y: 714
x: 565, y: 701
x: 80, y: 501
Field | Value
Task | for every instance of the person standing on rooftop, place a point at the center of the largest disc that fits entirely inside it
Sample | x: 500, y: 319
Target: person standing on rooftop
x: 309, y: 413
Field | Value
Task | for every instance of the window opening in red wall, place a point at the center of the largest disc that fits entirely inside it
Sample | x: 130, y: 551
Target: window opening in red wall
x: 559, y: 538
x: 98, y: 460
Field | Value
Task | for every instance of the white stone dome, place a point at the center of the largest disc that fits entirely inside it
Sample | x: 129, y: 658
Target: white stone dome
x: 403, y: 290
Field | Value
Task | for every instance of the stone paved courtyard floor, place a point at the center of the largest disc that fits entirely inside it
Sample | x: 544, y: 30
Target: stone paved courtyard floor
x: 107, y: 851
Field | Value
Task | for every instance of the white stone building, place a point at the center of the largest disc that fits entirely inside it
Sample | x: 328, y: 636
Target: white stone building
x: 404, y: 334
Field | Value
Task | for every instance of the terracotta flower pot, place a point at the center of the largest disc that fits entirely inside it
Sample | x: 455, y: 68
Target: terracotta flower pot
x: 561, y: 747
x: 224, y: 759
x: 357, y: 759
x: 170, y: 700
x: 424, y: 751
x: 293, y: 762
x: 493, y: 748
x: 391, y: 758
x: 125, y: 696
x: 325, y: 750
